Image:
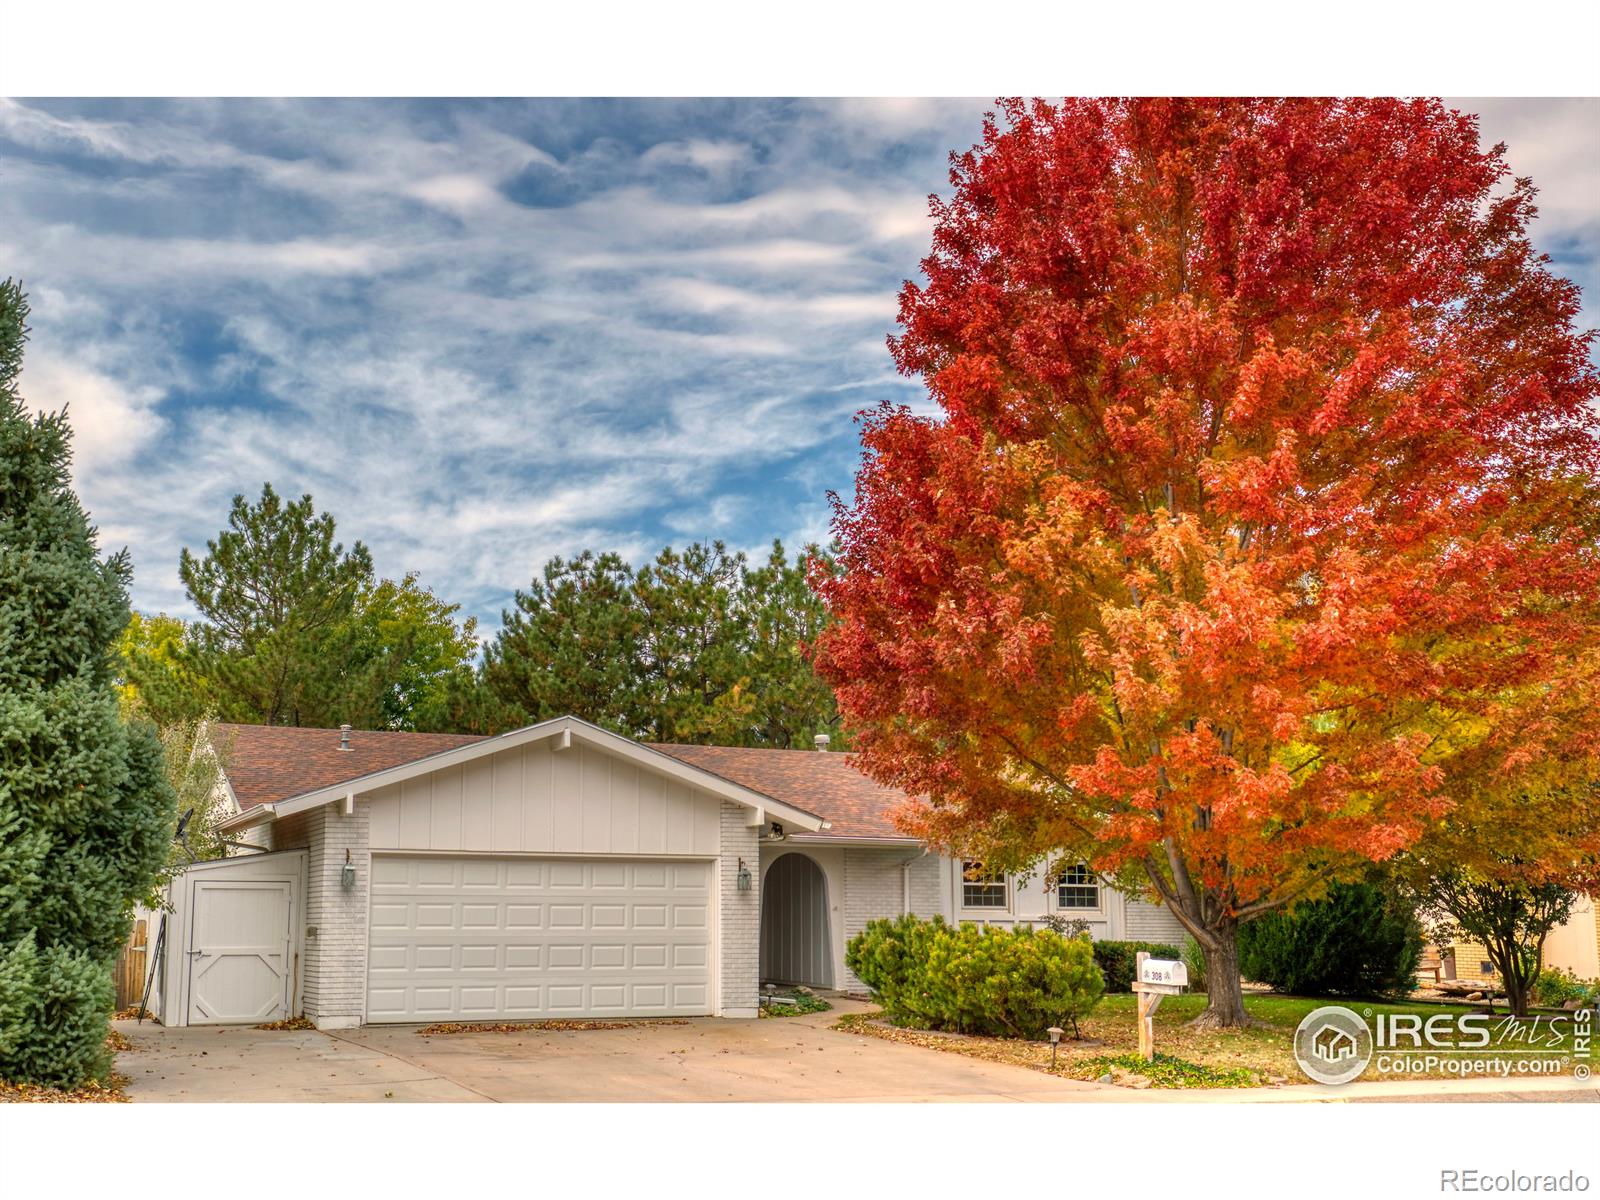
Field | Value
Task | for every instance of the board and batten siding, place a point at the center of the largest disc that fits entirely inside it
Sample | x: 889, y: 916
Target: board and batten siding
x: 1146, y: 922
x: 534, y: 799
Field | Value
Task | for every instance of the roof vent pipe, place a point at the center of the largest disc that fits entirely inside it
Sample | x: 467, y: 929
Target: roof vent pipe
x: 821, y: 741
x: 344, y: 737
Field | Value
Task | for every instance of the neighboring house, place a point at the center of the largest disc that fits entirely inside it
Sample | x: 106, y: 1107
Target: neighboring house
x: 557, y: 870
x: 1572, y: 946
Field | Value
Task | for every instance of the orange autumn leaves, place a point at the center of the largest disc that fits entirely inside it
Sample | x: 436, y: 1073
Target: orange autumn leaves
x: 1257, y: 528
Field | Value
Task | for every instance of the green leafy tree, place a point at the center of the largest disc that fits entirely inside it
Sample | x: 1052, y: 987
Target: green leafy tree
x: 85, y: 809
x: 1506, y: 869
x: 422, y: 649
x: 195, y: 755
x: 1509, y: 914
x: 154, y: 681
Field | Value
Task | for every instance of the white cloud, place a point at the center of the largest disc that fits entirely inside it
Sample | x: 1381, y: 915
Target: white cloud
x: 456, y: 193
x: 110, y: 422
x: 483, y: 334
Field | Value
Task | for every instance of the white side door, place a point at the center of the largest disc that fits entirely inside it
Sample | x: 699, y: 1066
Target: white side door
x: 240, y: 940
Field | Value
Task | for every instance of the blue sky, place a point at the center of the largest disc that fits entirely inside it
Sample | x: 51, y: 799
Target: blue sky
x: 484, y: 332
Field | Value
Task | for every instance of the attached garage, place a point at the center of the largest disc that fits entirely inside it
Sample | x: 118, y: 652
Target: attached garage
x: 482, y: 938
x: 556, y: 871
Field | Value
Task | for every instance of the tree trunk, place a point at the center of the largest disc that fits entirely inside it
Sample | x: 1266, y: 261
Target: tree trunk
x: 1225, y: 998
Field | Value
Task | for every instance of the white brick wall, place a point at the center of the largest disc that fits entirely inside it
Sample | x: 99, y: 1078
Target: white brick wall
x: 874, y: 887
x: 739, y: 915
x: 335, y: 968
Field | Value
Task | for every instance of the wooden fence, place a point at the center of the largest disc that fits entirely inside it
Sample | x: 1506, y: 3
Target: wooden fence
x: 131, y: 967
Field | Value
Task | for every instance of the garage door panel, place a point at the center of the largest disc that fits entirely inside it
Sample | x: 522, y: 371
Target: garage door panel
x: 435, y: 875
x: 567, y: 875
x: 690, y: 995
x: 524, y: 874
x: 571, y: 937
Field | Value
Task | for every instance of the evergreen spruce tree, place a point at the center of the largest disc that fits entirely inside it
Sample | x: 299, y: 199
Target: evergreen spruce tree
x: 85, y: 809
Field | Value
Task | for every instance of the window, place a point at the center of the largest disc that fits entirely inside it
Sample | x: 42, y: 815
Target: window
x: 1077, y: 888
x: 1486, y: 967
x: 980, y: 889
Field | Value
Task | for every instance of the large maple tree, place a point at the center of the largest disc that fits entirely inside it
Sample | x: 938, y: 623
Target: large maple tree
x: 1255, y: 525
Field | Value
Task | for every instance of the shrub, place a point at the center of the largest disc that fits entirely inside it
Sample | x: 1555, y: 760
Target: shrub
x: 1005, y: 983
x: 1067, y: 926
x: 54, y: 1007
x: 1362, y: 939
x: 1116, y: 960
x: 1555, y: 987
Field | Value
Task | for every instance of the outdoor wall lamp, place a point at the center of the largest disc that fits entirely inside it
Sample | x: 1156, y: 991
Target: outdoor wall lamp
x: 347, y: 877
x: 1055, y: 1032
x: 743, y: 877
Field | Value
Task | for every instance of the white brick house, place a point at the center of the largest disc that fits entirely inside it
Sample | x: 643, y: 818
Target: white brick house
x: 557, y: 870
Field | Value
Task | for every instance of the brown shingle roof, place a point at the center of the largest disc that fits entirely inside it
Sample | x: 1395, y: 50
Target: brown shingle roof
x: 268, y: 763
x: 825, y: 784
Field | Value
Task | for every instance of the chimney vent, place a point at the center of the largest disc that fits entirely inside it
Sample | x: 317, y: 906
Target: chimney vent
x: 344, y: 737
x: 822, y: 742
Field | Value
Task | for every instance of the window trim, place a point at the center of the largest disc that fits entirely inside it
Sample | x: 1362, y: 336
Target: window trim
x: 1001, y: 881
x: 1093, y: 881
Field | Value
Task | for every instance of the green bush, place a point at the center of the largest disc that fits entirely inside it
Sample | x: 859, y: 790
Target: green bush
x: 1116, y: 960
x: 1556, y: 987
x: 1000, y: 982
x: 54, y: 1006
x: 1362, y: 939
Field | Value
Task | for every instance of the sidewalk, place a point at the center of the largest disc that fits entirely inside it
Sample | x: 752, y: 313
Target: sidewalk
x: 1399, y: 1091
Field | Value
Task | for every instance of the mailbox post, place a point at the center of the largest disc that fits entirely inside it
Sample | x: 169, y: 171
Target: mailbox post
x: 1153, y: 979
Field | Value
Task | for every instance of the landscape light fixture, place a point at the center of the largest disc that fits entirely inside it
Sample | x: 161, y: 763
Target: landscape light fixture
x: 1055, y: 1032
x: 743, y: 877
x: 347, y: 877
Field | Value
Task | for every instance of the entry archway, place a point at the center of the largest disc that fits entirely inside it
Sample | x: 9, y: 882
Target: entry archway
x: 796, y: 945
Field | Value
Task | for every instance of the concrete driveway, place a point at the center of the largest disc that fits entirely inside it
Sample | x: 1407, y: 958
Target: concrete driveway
x: 789, y: 1059
x: 793, y: 1059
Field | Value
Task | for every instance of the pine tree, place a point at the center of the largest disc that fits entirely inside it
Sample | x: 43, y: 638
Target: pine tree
x: 281, y: 641
x: 696, y: 646
x: 573, y: 646
x: 85, y: 809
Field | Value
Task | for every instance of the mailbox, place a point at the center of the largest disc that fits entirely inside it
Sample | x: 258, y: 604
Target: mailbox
x: 1167, y: 971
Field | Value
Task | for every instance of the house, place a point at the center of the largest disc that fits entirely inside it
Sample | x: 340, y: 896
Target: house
x: 1573, y: 946
x: 556, y: 870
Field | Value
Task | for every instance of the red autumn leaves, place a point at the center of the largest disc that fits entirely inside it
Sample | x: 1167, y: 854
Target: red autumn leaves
x: 1256, y: 531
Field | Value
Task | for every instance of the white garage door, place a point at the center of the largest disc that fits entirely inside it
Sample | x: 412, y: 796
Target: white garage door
x: 485, y: 938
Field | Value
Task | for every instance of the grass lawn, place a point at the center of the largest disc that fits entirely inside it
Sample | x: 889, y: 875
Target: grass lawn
x: 1232, y: 1058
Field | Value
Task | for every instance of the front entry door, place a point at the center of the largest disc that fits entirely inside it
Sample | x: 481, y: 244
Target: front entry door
x: 239, y: 952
